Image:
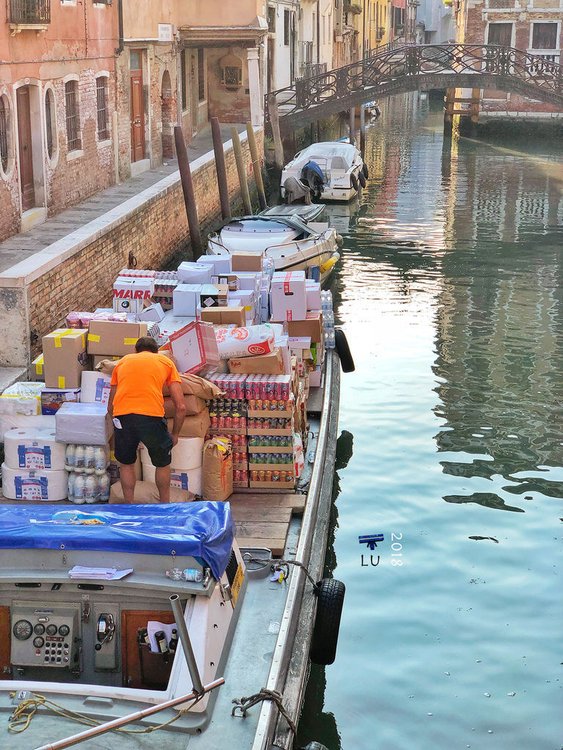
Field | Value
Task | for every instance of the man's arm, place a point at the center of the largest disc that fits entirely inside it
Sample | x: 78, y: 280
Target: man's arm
x: 177, y: 396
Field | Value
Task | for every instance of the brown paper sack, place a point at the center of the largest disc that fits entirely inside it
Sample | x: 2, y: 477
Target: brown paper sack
x: 217, y: 469
x: 193, y: 426
x: 193, y: 385
x: 147, y: 492
x: 194, y: 405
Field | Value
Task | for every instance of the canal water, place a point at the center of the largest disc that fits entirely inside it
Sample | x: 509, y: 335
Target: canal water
x: 450, y: 294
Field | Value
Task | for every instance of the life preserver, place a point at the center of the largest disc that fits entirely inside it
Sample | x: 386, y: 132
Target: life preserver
x: 341, y: 346
x: 362, y: 179
x: 365, y: 170
x: 354, y: 182
x: 330, y: 593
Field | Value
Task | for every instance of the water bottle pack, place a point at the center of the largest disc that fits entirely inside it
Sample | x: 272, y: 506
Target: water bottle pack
x: 88, y: 488
x: 86, y: 459
x: 328, y: 320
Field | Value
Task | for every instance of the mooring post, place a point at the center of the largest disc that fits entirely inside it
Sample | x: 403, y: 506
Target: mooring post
x: 245, y: 195
x: 188, y: 190
x: 275, y: 123
x: 220, y: 168
x: 352, y: 125
x: 362, y: 130
x: 256, y: 166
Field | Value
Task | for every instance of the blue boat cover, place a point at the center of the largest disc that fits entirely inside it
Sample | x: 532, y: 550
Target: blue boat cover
x: 204, y: 530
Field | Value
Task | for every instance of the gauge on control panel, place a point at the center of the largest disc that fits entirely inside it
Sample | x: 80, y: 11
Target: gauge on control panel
x: 22, y: 630
x: 51, y: 629
x: 38, y: 642
x: 39, y: 629
x: 64, y: 630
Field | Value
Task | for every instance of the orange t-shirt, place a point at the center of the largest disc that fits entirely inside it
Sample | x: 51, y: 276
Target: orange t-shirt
x: 139, y: 379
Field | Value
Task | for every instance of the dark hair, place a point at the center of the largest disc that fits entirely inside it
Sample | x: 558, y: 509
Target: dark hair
x: 146, y: 344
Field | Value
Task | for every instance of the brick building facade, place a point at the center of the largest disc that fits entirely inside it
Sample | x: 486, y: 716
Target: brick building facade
x: 535, y: 27
x: 57, y: 99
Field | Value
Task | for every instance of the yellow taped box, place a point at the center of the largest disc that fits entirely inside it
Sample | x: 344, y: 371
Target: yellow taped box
x: 114, y: 338
x: 37, y: 368
x: 64, y: 354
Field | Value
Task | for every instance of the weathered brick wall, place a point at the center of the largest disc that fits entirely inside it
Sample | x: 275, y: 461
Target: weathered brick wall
x: 156, y: 234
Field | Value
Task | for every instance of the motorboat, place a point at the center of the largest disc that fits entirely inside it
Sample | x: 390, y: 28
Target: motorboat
x: 291, y: 238
x: 332, y: 170
x: 158, y: 620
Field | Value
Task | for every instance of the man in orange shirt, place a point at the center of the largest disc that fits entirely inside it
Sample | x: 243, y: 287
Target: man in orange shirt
x: 137, y: 406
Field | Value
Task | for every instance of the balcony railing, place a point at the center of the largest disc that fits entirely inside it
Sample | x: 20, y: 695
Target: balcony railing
x: 30, y: 12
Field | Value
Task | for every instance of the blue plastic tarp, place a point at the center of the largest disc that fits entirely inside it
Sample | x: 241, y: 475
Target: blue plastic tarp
x: 204, y: 530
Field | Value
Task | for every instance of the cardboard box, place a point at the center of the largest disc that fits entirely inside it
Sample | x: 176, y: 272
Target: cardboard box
x: 194, y: 426
x: 97, y: 358
x: 86, y: 424
x: 228, y: 279
x: 64, y: 352
x: 38, y: 368
x: 265, y: 364
x: 112, y: 338
x: 53, y: 398
x: 195, y: 347
x: 249, y: 281
x: 242, y: 261
x: 313, y: 292
x: 194, y: 273
x: 186, y: 299
x: 288, y: 299
x: 213, y: 295
x: 311, y: 327
x: 132, y: 293
x: 223, y: 316
x: 315, y: 378
x: 152, y: 314
x: 220, y: 262
x: 95, y: 388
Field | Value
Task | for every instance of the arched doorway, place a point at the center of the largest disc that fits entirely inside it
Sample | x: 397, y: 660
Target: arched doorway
x: 166, y: 115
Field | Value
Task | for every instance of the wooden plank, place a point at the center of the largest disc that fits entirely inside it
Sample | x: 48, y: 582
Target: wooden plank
x: 266, y: 499
x: 277, y: 546
x: 258, y: 514
x: 274, y: 530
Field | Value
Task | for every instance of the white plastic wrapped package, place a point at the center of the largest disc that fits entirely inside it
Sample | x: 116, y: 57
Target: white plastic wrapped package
x: 33, y: 448
x: 246, y: 341
x: 83, y: 424
x: 9, y: 421
x: 22, y: 398
x: 180, y: 479
x: 33, y: 485
x: 186, y: 454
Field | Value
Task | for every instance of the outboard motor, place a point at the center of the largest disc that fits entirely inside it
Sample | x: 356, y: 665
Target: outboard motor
x: 295, y: 190
x: 312, y: 175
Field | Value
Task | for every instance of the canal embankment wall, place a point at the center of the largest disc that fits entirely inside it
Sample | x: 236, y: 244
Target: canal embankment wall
x: 77, y: 272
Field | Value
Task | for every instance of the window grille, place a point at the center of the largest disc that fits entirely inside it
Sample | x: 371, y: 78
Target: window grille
x: 72, y: 116
x: 183, y: 79
x: 30, y: 11
x: 102, y: 99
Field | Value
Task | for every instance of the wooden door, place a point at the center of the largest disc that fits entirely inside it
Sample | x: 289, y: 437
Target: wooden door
x: 25, y: 149
x: 137, y: 108
x: 131, y: 621
x: 5, y: 635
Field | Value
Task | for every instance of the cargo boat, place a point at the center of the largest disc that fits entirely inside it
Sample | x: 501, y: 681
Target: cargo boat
x: 70, y: 649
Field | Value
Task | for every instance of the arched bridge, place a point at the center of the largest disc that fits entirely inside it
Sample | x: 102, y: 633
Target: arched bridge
x: 418, y: 67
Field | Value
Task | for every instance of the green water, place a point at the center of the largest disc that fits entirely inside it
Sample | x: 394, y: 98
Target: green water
x: 450, y: 293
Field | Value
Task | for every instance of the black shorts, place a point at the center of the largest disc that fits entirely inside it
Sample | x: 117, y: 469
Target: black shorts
x: 138, y: 428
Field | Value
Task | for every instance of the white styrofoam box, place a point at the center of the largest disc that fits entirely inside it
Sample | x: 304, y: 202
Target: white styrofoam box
x: 33, y: 448
x: 220, y: 263
x: 248, y: 280
x: 31, y: 485
x: 95, y: 387
x: 186, y: 454
x: 132, y: 293
x: 152, y: 314
x: 183, y: 479
x: 35, y: 421
x: 194, y: 273
x: 186, y: 299
x: 288, y: 299
x: 83, y: 424
x: 22, y: 398
x: 313, y: 293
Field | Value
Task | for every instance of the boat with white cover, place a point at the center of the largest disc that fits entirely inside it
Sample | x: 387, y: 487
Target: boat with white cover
x: 333, y: 170
x: 291, y: 237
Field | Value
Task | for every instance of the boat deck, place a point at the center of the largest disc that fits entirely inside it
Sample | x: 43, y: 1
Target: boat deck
x: 262, y: 520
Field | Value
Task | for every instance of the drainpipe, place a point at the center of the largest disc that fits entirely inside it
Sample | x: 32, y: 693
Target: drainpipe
x: 121, y: 46
x: 318, y: 32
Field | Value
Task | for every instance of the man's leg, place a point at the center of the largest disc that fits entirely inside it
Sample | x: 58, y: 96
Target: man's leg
x: 128, y: 479
x: 162, y: 479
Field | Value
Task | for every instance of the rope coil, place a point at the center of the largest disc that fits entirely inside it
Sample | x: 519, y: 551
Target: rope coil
x: 243, y: 704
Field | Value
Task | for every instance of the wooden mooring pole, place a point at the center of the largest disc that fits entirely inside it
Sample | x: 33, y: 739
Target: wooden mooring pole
x: 362, y: 130
x: 245, y: 194
x: 188, y: 191
x: 256, y: 166
x: 352, y: 126
x: 221, y: 169
x: 275, y: 123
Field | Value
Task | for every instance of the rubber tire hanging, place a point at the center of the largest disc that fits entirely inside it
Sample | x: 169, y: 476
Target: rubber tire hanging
x: 314, y: 745
x: 330, y: 594
x: 365, y: 170
x: 362, y: 179
x: 343, y: 350
x: 354, y: 182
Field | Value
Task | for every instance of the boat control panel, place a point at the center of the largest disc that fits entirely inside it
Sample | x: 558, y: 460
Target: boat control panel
x: 43, y: 636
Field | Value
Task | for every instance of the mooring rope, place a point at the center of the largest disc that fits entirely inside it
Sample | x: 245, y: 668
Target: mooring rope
x: 243, y: 704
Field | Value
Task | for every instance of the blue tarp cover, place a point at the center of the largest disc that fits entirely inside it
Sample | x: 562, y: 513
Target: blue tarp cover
x: 201, y: 529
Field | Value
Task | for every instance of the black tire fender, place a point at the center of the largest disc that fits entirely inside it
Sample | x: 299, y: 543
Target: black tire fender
x: 354, y: 182
x: 365, y: 170
x: 362, y: 179
x: 343, y: 349
x: 330, y: 599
